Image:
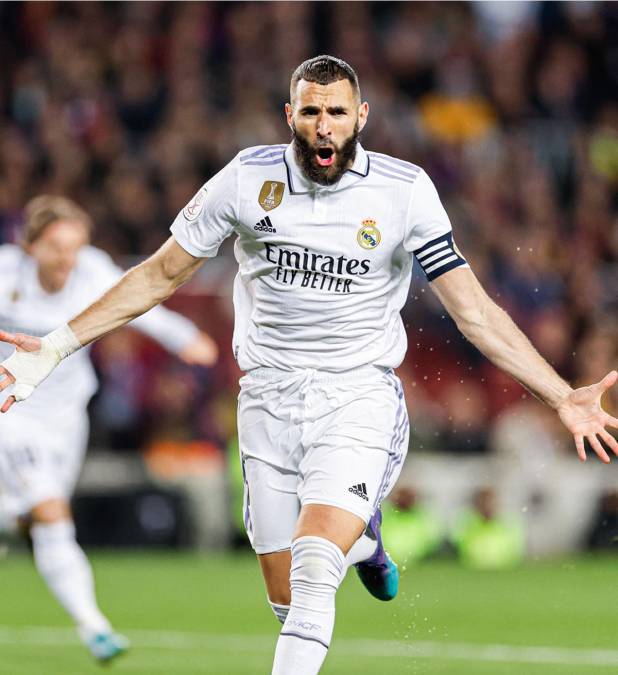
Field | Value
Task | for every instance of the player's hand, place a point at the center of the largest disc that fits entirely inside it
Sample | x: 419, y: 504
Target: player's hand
x: 203, y: 351
x: 583, y: 416
x: 28, y: 365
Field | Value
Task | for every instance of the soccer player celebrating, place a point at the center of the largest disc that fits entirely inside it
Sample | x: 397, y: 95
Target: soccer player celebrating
x: 326, y: 234
x: 45, y: 281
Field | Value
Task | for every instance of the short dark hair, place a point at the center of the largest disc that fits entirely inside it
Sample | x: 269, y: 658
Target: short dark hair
x: 324, y: 69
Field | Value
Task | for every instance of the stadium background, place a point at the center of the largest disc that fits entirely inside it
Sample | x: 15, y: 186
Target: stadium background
x: 511, y: 108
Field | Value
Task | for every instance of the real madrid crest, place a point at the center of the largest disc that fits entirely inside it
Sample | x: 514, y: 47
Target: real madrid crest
x: 369, y: 236
x: 271, y: 194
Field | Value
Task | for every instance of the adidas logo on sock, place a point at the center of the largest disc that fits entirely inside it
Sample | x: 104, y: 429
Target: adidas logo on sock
x: 264, y: 225
x: 359, y: 490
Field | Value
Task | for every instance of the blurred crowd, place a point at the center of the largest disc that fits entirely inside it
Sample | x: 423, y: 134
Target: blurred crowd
x: 511, y: 108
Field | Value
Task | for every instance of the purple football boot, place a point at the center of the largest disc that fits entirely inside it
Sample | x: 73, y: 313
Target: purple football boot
x: 379, y: 573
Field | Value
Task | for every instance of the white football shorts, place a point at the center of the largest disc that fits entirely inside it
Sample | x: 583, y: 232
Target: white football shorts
x: 311, y: 437
x: 39, y: 462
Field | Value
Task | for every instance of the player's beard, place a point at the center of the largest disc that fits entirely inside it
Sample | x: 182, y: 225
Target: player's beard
x: 325, y: 175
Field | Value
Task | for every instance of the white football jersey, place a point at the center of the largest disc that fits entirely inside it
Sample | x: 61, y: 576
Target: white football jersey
x: 323, y: 270
x: 25, y: 307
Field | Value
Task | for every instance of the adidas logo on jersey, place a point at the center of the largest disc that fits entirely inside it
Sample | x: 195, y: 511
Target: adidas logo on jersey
x: 264, y: 225
x: 359, y: 490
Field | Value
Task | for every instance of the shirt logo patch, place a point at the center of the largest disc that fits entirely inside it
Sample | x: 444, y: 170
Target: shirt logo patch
x: 271, y: 194
x: 369, y: 236
x: 193, y: 209
x: 265, y: 225
x: 359, y: 490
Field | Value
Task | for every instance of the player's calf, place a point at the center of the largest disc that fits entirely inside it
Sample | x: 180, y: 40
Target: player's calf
x: 318, y: 566
x: 276, y: 570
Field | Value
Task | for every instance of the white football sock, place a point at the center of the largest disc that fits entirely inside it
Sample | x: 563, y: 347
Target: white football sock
x: 67, y: 573
x: 318, y: 566
x: 280, y: 611
x: 364, y: 547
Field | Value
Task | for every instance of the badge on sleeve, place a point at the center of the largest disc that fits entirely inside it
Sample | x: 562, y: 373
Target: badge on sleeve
x: 193, y: 209
x: 271, y: 195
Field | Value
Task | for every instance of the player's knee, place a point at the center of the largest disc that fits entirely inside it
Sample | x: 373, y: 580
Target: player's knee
x: 318, y: 566
x: 50, y: 511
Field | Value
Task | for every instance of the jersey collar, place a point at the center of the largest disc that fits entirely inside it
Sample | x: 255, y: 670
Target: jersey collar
x: 298, y: 183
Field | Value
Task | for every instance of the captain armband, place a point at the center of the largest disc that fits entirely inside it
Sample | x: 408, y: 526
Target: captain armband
x: 439, y: 256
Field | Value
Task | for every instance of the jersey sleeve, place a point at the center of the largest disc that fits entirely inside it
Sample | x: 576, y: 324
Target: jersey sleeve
x: 209, y: 218
x: 10, y: 256
x: 170, y: 329
x: 429, y: 233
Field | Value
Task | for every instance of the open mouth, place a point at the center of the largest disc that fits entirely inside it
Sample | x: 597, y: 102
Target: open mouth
x: 325, y: 156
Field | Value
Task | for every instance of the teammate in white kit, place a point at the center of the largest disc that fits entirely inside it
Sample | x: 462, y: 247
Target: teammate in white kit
x: 326, y: 237
x: 44, y: 282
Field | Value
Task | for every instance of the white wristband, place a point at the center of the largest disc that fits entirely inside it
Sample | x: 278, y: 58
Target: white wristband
x: 63, y: 341
x: 29, y: 369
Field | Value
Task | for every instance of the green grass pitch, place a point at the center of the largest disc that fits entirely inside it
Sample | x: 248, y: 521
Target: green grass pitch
x: 188, y: 614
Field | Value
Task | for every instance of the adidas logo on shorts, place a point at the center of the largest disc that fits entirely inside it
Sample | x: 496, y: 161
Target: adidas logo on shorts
x: 264, y: 225
x: 359, y: 490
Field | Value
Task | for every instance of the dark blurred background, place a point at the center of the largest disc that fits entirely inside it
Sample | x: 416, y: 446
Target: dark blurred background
x: 511, y: 108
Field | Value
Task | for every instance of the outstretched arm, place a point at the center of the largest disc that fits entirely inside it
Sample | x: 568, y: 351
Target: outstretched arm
x: 140, y: 289
x: 495, y: 334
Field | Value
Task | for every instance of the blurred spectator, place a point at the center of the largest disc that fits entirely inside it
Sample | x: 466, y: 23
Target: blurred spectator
x: 510, y: 106
x: 484, y: 539
x: 178, y: 456
x: 466, y: 428
x: 604, y: 534
x: 118, y: 408
x: 410, y: 530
